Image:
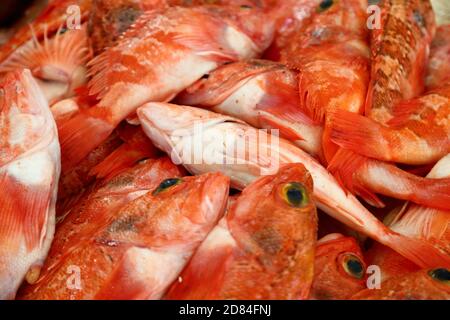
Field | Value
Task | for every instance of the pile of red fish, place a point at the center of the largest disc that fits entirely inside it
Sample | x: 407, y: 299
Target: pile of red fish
x: 260, y: 149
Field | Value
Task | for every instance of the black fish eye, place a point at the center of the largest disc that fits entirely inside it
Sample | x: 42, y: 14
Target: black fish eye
x: 353, y: 266
x: 324, y: 5
x: 441, y: 275
x: 62, y: 30
x: 166, y: 184
x: 295, y: 194
x: 418, y: 17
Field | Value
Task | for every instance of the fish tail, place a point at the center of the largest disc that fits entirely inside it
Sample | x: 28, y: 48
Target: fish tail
x: 429, y: 192
x: 82, y: 134
x: 359, y: 134
x: 418, y: 251
x: 328, y: 146
x: 345, y: 166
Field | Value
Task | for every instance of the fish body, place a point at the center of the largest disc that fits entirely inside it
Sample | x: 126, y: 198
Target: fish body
x: 419, y: 134
x: 142, y: 246
x: 339, y: 268
x: 332, y: 56
x: 262, y: 249
x: 108, y: 19
x: 421, y: 285
x: 262, y: 93
x: 243, y: 153
x: 29, y: 173
x: 400, y: 51
x: 162, y: 54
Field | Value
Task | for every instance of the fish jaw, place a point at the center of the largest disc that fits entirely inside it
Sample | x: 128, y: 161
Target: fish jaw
x: 29, y: 173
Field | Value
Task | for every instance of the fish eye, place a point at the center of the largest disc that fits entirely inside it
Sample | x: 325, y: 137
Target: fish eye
x: 420, y: 20
x: 324, y: 5
x: 353, y: 266
x: 441, y: 275
x: 62, y: 30
x: 166, y: 184
x: 295, y: 194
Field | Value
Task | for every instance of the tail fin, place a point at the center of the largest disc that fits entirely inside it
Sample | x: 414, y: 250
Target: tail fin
x: 359, y: 134
x: 397, y: 183
x: 345, y: 166
x: 80, y: 135
x: 418, y: 251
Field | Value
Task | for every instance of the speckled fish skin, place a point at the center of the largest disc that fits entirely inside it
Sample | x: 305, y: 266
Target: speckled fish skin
x: 143, y: 246
x: 262, y: 249
x: 172, y: 128
x: 421, y: 285
x: 261, y: 93
x: 332, y: 55
x: 339, y: 268
x: 91, y: 213
x: 109, y: 19
x: 162, y: 54
x: 29, y: 173
x: 400, y: 51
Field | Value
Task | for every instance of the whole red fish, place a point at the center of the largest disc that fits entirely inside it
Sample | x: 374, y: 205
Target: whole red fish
x: 426, y: 284
x: 162, y: 54
x: 262, y: 249
x: 29, y: 173
x: 141, y: 247
x: 339, y: 268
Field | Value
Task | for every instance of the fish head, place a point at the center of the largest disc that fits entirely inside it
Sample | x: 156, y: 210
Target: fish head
x: 275, y: 220
x: 139, y: 179
x: 209, y: 192
x: 253, y: 22
x: 425, y: 284
x: 24, y: 115
x: 340, y: 268
x: 286, y: 195
x: 175, y: 129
